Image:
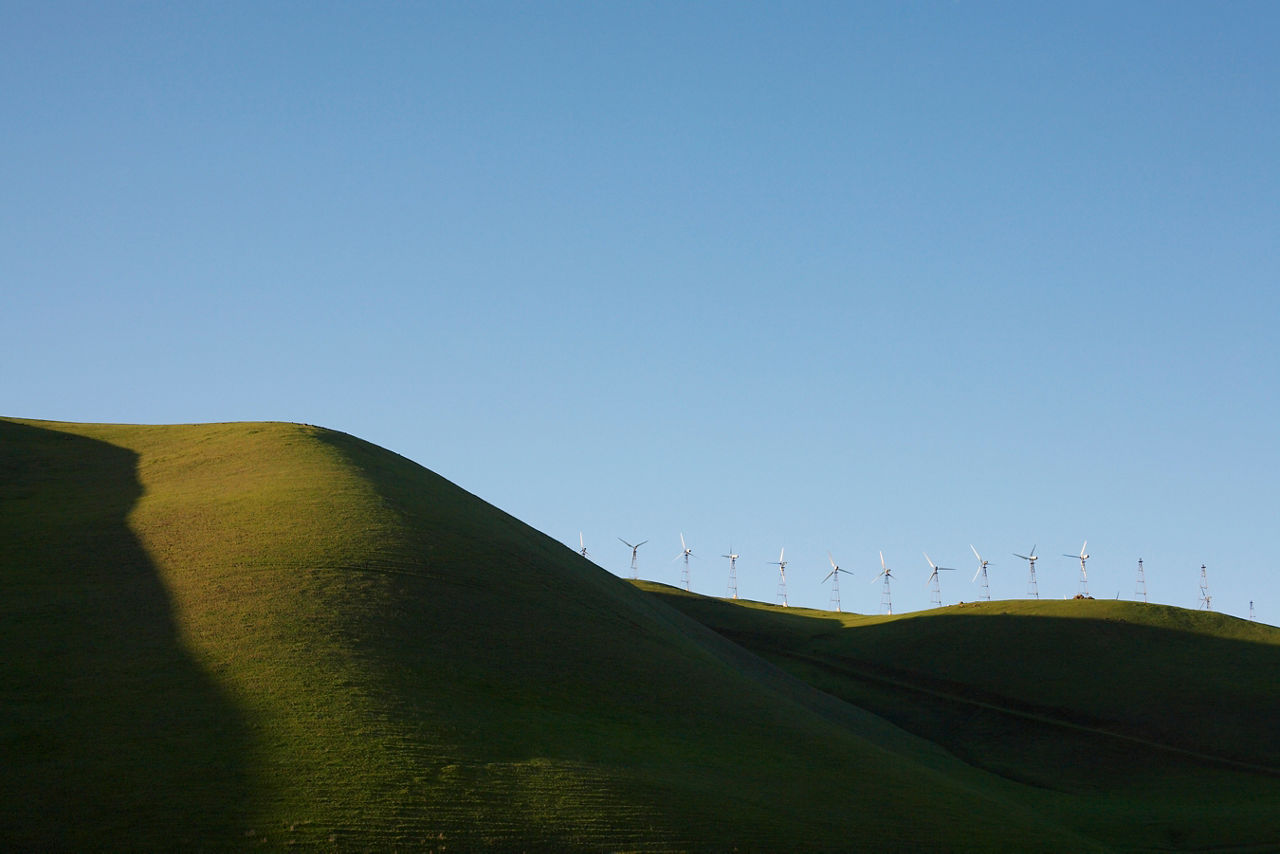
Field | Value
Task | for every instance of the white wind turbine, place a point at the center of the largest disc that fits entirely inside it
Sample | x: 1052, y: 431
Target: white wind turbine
x: 834, y: 575
x: 886, y: 601
x: 982, y: 570
x: 781, y: 564
x: 685, y: 553
x: 934, y: 585
x: 1084, y: 573
x: 634, y: 549
x: 733, y: 572
x: 1032, y: 590
x: 582, y: 547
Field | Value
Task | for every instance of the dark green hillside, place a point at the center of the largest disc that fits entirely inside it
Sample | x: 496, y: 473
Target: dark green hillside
x: 107, y: 722
x: 223, y: 635
x: 1143, y: 726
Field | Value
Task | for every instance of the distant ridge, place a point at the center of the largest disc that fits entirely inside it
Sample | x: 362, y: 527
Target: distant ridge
x: 225, y: 635
x: 1160, y: 717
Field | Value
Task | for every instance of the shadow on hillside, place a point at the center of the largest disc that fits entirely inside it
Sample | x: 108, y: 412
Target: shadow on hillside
x: 1033, y: 696
x: 111, y: 735
x: 1171, y: 684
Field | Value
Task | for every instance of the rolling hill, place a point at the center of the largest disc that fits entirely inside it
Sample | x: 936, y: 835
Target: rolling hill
x: 235, y: 635
x: 1141, y: 726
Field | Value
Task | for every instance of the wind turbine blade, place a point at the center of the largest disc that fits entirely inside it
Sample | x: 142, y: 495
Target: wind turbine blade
x: 975, y: 552
x: 1033, y: 550
x: 1024, y: 557
x: 1086, y: 542
x: 641, y: 543
x: 975, y: 575
x: 882, y: 566
x: 929, y: 559
x: 781, y: 552
x: 833, y: 560
x: 682, y: 545
x: 829, y: 574
x: 625, y: 543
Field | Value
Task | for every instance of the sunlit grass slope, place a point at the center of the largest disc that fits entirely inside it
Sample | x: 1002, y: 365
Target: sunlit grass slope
x: 1142, y: 726
x: 224, y: 635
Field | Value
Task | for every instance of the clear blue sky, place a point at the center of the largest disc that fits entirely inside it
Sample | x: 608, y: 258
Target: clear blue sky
x: 848, y: 277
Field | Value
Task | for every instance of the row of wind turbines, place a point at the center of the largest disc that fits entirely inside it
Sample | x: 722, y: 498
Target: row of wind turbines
x: 935, y: 582
x: 886, y: 575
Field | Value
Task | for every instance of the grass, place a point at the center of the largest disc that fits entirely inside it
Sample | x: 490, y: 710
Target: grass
x: 240, y: 635
x: 1141, y: 726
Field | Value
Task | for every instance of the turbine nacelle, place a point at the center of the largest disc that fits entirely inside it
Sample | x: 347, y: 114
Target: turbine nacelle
x: 1082, y: 557
x: 835, y: 570
x: 885, y: 571
x: 634, y: 548
x: 935, y: 567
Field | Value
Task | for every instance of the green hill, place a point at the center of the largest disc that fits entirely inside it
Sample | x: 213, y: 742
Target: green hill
x: 232, y: 635
x: 1141, y: 726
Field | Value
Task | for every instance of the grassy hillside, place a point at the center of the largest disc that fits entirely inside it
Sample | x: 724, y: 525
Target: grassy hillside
x: 1142, y: 726
x: 235, y: 634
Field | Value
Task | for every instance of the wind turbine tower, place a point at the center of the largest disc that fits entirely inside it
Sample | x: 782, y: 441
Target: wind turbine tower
x: 685, y: 553
x: 1142, y: 581
x: 634, y: 549
x: 733, y: 573
x: 834, y: 575
x: 1252, y: 614
x: 886, y: 600
x: 781, y: 564
x: 1206, y: 601
x: 1084, y: 573
x: 982, y: 570
x: 935, y: 586
x: 1032, y: 590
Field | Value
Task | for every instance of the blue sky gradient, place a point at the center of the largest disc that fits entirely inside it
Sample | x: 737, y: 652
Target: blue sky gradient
x: 848, y: 277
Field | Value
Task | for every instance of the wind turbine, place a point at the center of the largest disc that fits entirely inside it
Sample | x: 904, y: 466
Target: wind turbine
x: 1142, y: 581
x: 886, y: 602
x: 733, y: 572
x: 582, y: 547
x: 982, y: 570
x: 1206, y: 601
x: 781, y: 564
x: 935, y: 586
x: 1031, y: 559
x: 834, y: 575
x: 686, y: 553
x: 634, y: 549
x: 1084, y: 573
